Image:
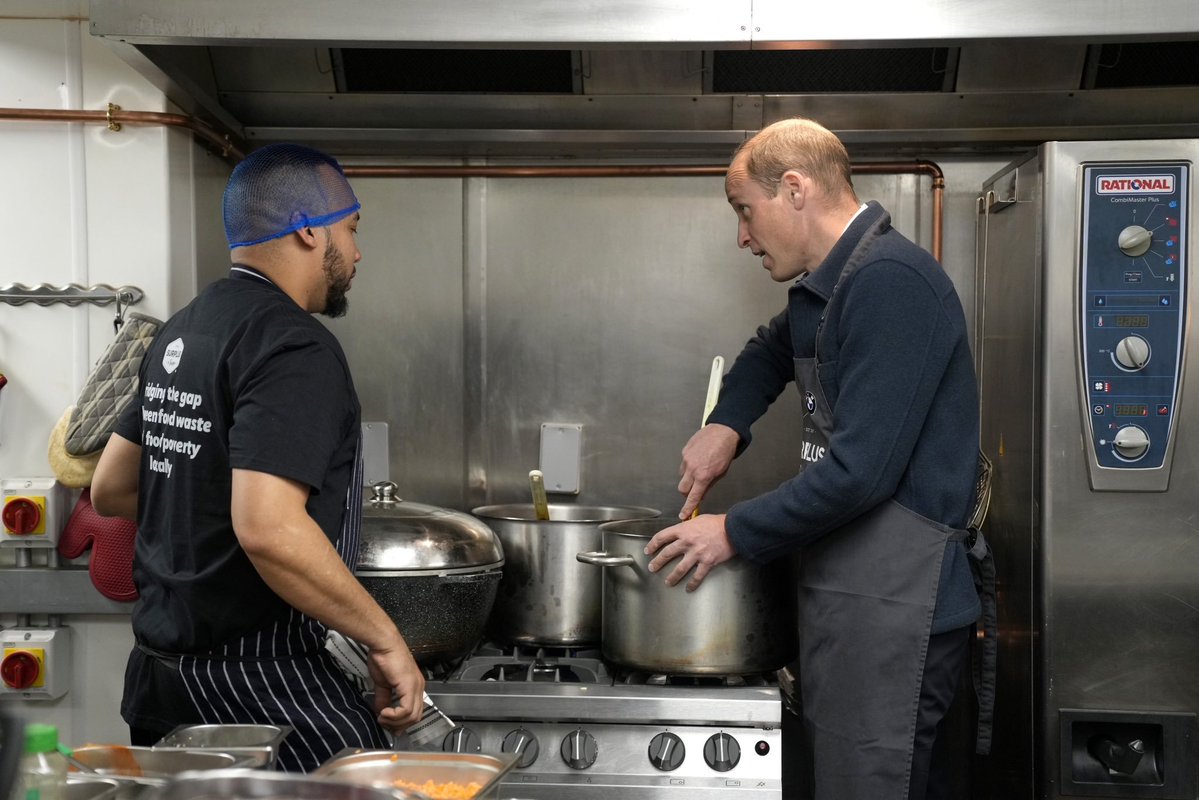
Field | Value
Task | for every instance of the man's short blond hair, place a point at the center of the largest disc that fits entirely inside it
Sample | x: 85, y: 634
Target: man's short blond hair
x: 802, y: 145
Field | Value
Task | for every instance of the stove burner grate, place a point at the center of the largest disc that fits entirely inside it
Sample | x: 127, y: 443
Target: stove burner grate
x: 491, y: 662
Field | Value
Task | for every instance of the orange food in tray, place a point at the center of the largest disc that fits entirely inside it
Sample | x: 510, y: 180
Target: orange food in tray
x: 448, y: 790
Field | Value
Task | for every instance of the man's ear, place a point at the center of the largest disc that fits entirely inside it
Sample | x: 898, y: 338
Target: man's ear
x: 794, y: 186
x: 307, y: 237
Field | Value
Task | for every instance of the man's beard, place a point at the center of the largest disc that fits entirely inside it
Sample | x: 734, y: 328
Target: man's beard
x: 338, y: 284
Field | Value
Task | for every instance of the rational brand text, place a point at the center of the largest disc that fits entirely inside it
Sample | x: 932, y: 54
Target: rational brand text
x: 1134, y: 184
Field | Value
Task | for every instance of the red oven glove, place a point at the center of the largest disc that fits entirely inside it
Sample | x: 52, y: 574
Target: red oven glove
x: 111, y: 540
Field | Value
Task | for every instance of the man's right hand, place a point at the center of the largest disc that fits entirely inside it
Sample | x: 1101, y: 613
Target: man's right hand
x: 706, y: 457
x: 399, y: 686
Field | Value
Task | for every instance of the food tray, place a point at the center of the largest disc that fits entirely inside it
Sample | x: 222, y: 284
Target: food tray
x: 259, y: 742
x: 385, y: 767
x: 91, y: 788
x: 240, y: 784
x: 150, y: 765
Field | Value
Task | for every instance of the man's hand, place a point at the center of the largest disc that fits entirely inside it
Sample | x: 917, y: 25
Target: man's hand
x: 706, y: 457
x: 702, y: 543
x: 399, y: 687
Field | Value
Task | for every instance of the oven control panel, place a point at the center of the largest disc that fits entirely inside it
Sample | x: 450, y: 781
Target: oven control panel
x: 614, y: 760
x: 1132, y: 318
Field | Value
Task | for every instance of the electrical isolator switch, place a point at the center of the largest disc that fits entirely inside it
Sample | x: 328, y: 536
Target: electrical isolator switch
x: 35, y: 663
x: 22, y: 669
x: 32, y: 512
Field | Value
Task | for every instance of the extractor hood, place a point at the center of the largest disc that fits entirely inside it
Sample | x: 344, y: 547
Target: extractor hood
x: 679, y: 77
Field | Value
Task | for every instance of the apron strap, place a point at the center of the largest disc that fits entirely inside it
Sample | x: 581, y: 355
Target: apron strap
x: 983, y: 656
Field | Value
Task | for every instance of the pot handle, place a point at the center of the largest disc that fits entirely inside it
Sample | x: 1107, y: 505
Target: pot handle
x: 605, y: 560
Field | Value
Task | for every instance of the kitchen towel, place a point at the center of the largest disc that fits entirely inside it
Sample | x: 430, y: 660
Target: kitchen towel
x: 351, y: 658
x: 111, y: 541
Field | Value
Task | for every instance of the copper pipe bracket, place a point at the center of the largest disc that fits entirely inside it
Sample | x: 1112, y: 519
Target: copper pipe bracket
x: 113, y: 125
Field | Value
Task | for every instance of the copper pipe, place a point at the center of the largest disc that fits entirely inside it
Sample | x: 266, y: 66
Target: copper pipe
x: 114, y: 116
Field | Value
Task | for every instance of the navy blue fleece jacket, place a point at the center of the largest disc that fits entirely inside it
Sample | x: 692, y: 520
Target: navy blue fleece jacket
x: 896, y: 368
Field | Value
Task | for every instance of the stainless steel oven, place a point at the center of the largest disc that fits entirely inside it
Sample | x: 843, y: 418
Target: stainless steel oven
x: 1090, y: 413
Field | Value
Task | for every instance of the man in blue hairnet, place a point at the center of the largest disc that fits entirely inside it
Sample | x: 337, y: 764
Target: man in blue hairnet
x: 241, y: 464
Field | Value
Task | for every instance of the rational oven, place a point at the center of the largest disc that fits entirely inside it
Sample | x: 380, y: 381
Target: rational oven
x: 1090, y: 414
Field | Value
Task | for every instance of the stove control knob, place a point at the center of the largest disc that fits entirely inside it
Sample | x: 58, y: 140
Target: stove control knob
x: 722, y: 752
x: 666, y: 751
x: 523, y: 742
x: 579, y: 749
x: 461, y: 740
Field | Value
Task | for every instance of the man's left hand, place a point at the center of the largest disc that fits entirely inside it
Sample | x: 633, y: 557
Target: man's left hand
x: 701, y: 542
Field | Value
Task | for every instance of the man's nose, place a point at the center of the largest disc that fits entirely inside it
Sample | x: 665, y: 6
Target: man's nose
x: 742, y: 236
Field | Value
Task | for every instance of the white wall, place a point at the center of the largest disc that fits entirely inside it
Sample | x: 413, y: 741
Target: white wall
x: 81, y: 204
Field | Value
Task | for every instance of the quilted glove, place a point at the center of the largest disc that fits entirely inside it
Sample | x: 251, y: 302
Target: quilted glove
x: 111, y: 386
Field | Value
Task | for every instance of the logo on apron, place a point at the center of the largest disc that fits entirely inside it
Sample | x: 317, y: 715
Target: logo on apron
x: 809, y: 402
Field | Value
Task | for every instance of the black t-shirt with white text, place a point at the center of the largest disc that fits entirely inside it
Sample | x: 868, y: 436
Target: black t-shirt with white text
x: 241, y: 378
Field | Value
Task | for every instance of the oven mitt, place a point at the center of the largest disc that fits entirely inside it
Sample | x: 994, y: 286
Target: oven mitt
x: 73, y: 472
x: 111, y: 386
x: 111, y: 541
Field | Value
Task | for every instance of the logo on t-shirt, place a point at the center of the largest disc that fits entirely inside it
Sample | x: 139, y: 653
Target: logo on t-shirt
x: 809, y: 401
x: 172, y: 356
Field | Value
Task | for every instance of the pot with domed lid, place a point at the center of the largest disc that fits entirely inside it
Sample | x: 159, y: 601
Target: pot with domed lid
x: 433, y: 570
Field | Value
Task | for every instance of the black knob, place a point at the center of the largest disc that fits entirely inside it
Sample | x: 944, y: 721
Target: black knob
x: 461, y: 740
x: 523, y: 742
x: 762, y: 747
x: 722, y: 752
x: 666, y: 751
x: 579, y: 749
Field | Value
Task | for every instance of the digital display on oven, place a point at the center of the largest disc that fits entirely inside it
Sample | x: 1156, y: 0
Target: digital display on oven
x: 1131, y: 410
x: 1132, y: 321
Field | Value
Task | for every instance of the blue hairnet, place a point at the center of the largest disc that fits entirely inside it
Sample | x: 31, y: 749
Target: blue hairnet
x: 281, y: 188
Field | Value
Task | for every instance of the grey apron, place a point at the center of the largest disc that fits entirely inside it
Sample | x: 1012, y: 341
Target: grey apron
x: 867, y: 594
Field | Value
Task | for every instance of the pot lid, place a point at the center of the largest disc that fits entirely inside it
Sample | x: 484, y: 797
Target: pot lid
x: 401, y: 535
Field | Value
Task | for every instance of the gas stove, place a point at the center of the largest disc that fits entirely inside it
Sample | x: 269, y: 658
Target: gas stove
x: 586, y: 729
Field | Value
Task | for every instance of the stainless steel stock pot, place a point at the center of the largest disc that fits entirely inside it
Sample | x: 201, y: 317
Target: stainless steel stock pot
x: 546, y: 596
x: 741, y: 620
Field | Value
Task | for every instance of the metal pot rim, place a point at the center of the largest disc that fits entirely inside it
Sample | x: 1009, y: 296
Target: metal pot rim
x: 593, y: 515
x: 434, y: 572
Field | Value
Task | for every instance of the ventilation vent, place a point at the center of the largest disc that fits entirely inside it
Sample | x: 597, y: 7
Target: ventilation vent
x: 476, y: 71
x: 1139, y: 64
x: 916, y: 69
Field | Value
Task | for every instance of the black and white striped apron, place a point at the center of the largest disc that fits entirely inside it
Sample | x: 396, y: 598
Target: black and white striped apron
x: 284, y: 676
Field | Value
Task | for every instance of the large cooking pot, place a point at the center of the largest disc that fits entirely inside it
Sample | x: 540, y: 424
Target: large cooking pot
x: 742, y: 619
x: 433, y: 570
x: 546, y: 597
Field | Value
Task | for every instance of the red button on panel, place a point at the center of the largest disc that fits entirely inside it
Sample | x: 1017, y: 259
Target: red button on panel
x: 19, y: 670
x: 21, y: 516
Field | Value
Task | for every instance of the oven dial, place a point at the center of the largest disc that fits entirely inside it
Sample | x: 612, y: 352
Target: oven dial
x: 461, y: 740
x: 1131, y: 442
x: 1131, y: 354
x: 579, y: 749
x: 666, y: 751
x: 523, y: 742
x: 1134, y: 241
x: 722, y: 752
